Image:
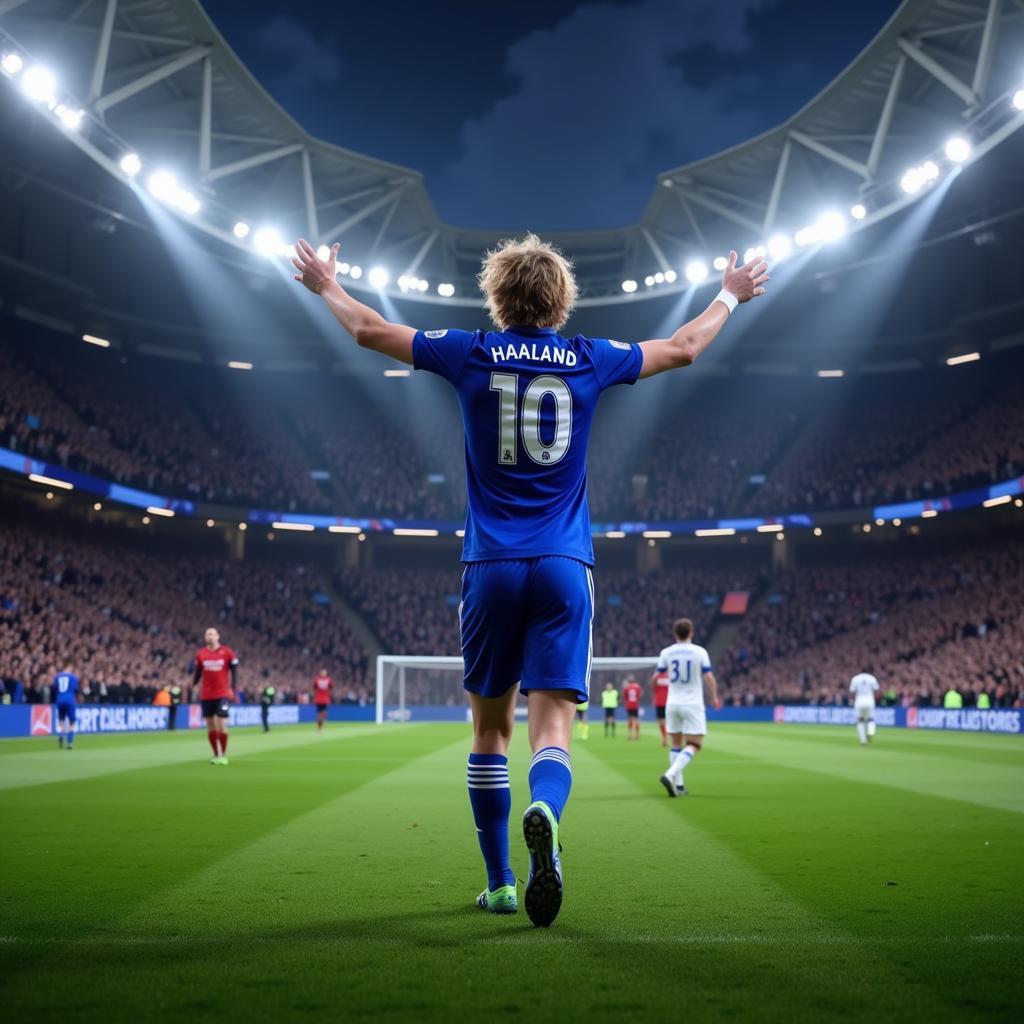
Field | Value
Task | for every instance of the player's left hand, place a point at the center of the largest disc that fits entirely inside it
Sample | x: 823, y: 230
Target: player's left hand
x: 718, y: 705
x: 314, y: 272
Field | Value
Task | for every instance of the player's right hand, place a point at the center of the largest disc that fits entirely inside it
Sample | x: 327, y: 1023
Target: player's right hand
x: 746, y: 282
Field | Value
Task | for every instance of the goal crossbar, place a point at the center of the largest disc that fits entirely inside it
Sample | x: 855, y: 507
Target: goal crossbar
x: 396, y: 665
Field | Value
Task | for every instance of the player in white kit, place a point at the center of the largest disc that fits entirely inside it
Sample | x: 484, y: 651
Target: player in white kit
x: 863, y: 687
x: 686, y: 667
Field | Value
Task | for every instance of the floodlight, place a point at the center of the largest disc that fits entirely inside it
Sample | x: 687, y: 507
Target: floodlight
x: 720, y: 263
x: 958, y: 149
x: 324, y: 252
x: 780, y: 246
x: 629, y: 286
x: 445, y: 290
x: 912, y: 181
x: 163, y: 185
x: 930, y: 170
x: 70, y: 117
x: 749, y: 254
x: 696, y: 271
x: 659, y: 278
x: 832, y: 225
x: 39, y: 84
x: 189, y: 203
x: 267, y: 241
x: 131, y: 164
x: 1018, y: 99
x: 649, y: 280
x: 11, y: 63
x: 356, y: 271
x: 858, y: 211
x: 670, y: 276
x: 241, y: 229
x: 422, y: 285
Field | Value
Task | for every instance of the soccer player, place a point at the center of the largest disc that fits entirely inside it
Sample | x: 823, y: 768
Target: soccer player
x: 65, y: 696
x: 687, y: 669
x: 632, y: 693
x: 863, y: 686
x: 528, y: 395
x: 610, y: 702
x: 216, y: 666
x: 660, y: 684
x: 322, y: 683
x: 582, y: 719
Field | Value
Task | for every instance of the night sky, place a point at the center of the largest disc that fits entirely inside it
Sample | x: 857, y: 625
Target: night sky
x: 553, y: 114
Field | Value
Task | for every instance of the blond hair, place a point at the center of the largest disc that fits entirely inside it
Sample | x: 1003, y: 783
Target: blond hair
x: 527, y: 283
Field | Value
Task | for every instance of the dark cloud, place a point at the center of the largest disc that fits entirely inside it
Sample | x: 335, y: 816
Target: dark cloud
x: 302, y: 61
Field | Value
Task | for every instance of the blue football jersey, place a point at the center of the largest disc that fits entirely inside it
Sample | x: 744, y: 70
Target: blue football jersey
x: 528, y: 397
x: 65, y: 686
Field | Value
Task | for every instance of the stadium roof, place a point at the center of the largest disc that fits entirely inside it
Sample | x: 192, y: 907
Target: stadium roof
x: 155, y: 78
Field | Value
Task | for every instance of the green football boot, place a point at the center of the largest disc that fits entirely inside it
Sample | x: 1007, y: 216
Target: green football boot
x: 544, y: 886
x: 500, y: 901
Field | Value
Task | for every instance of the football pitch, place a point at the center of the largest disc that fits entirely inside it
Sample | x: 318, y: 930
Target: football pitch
x: 334, y: 875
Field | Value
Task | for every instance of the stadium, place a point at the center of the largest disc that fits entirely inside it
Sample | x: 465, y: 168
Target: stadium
x: 237, y: 520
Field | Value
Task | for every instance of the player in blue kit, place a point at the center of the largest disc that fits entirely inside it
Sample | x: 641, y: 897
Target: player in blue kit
x: 65, y: 696
x: 528, y: 396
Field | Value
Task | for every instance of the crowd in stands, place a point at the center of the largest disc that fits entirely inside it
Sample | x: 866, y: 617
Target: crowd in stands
x: 689, y: 451
x: 129, y: 621
x: 874, y: 446
x: 921, y: 625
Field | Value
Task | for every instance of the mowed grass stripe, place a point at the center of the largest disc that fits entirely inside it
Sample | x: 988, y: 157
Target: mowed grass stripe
x: 85, y: 851
x: 996, y: 748
x: 363, y: 903
x: 832, y: 844
x: 41, y: 762
x: 928, y: 771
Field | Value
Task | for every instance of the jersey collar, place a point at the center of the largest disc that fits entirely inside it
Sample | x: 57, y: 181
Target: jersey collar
x: 532, y: 331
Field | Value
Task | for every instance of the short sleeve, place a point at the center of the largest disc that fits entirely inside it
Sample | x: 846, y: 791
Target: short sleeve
x: 662, y: 665
x: 616, y: 362
x: 442, y: 352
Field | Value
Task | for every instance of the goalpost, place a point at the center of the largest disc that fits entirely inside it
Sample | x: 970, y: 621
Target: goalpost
x: 414, y: 687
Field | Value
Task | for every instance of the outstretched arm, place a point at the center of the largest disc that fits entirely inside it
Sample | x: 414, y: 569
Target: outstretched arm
x: 365, y: 324
x: 743, y: 283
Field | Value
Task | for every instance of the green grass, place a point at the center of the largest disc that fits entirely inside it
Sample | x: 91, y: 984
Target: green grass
x: 334, y: 875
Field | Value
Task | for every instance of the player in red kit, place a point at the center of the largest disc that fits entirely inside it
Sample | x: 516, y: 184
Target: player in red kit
x: 660, y: 682
x: 632, y: 694
x: 217, y: 667
x: 322, y: 683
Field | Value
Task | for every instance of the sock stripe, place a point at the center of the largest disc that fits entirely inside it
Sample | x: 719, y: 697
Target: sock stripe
x: 555, y: 754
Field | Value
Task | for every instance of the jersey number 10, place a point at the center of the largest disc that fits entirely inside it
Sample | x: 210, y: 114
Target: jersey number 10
x: 510, y: 417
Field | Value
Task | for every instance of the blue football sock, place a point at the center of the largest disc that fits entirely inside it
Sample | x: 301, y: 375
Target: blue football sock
x: 71, y: 738
x: 491, y: 800
x: 551, y: 778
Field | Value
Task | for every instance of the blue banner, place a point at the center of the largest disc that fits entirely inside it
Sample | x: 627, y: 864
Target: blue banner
x: 41, y: 719
x: 26, y: 466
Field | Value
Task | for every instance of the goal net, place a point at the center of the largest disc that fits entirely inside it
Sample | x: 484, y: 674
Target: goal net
x: 425, y: 688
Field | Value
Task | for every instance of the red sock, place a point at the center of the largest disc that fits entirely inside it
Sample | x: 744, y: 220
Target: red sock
x: 212, y: 737
x: 223, y: 742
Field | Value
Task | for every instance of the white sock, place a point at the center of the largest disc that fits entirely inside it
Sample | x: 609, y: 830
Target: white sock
x: 679, y: 762
x: 862, y: 732
x: 871, y: 727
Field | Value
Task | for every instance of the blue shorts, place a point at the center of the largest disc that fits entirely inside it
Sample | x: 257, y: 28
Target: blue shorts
x: 66, y: 713
x: 527, y: 620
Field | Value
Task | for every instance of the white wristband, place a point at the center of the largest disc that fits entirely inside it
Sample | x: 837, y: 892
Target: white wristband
x: 730, y: 300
